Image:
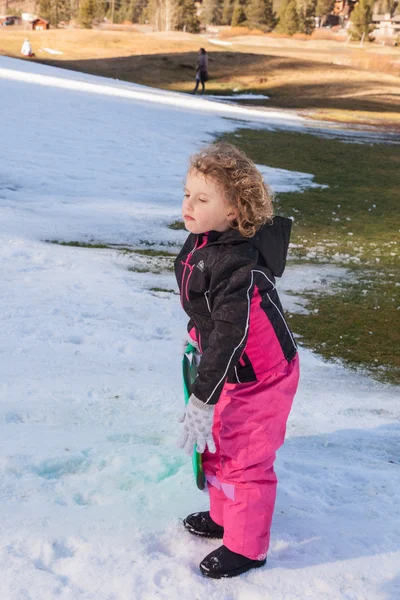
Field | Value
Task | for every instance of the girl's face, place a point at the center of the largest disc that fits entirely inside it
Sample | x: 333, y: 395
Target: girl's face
x: 204, y: 207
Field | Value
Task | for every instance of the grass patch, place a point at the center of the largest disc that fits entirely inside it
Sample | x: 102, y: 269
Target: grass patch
x: 151, y: 252
x: 354, y: 223
x: 159, y: 289
x: 78, y: 244
x: 177, y: 225
x: 355, y: 323
x: 141, y: 270
x: 157, y: 268
x: 149, y: 244
x: 142, y: 252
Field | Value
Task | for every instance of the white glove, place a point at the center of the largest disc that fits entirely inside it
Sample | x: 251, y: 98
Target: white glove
x: 197, y: 427
x: 189, y: 340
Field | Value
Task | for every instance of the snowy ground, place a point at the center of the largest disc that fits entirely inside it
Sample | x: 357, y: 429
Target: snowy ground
x: 92, y: 486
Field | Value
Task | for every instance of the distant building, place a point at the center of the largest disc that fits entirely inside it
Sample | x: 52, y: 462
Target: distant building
x: 387, y: 23
x: 40, y: 24
x: 340, y: 14
x: 28, y: 17
x: 8, y: 20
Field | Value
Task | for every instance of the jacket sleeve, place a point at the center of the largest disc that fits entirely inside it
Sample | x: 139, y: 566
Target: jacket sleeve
x: 231, y: 288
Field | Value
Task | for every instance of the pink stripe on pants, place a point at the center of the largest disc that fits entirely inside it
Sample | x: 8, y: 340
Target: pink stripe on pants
x: 249, y: 426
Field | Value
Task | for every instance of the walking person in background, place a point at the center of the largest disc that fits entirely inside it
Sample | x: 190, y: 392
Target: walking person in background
x: 202, y: 70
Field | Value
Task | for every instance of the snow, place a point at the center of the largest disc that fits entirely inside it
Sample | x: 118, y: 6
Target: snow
x: 282, y: 180
x: 92, y: 485
x: 238, y: 97
x: 42, y: 75
x: 50, y: 51
x: 219, y: 42
x: 308, y: 278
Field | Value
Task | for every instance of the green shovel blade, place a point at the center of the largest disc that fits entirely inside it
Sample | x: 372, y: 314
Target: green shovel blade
x: 189, y: 370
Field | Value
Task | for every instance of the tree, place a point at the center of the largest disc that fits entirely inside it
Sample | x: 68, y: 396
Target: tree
x: 55, y: 11
x: 227, y: 11
x: 46, y: 10
x: 88, y: 11
x: 306, y: 16
x: 162, y: 14
x: 361, y: 20
x: 323, y: 9
x: 260, y: 13
x: 186, y: 16
x: 129, y: 10
x: 238, y: 15
x: 212, y: 12
x: 288, y: 18
x: 385, y: 6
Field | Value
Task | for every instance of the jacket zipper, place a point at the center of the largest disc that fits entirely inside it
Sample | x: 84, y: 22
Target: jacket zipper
x: 185, y: 288
x: 186, y: 263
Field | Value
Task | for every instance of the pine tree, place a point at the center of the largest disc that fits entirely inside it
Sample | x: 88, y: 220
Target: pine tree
x: 88, y: 11
x: 227, y: 11
x: 361, y: 20
x: 212, y: 12
x: 238, y: 15
x: 385, y: 6
x: 45, y: 10
x: 186, y: 16
x: 55, y: 11
x: 288, y: 17
x: 323, y: 9
x: 260, y: 13
x: 129, y: 10
x: 306, y: 17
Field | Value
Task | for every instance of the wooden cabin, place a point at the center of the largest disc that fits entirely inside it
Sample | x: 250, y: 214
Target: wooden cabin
x: 40, y: 24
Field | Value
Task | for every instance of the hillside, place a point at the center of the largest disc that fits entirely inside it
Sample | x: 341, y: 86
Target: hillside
x: 322, y: 78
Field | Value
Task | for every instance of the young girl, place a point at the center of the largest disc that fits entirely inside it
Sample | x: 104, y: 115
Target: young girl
x: 248, y: 371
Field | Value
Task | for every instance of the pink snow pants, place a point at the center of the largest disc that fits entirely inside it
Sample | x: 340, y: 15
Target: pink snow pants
x: 249, y: 426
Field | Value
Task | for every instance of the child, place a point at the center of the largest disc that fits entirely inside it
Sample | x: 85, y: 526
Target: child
x: 26, y: 49
x: 248, y: 371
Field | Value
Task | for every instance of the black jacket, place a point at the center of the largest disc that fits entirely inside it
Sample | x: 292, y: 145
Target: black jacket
x: 227, y: 287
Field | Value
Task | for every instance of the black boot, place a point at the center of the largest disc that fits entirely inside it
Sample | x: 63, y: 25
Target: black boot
x: 202, y: 524
x: 225, y: 563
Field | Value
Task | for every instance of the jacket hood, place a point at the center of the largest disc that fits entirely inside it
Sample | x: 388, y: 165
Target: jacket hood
x: 271, y: 240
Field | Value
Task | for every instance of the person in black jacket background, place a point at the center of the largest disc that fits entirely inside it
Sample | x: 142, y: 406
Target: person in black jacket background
x: 248, y: 371
x: 201, y: 70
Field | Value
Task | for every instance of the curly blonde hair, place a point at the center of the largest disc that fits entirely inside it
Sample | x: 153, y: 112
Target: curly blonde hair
x: 241, y: 183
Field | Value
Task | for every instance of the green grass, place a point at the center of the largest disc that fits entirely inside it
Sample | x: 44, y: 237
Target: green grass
x: 151, y: 252
x: 149, y: 244
x: 354, y: 223
x: 159, y: 289
x: 76, y: 244
x: 118, y: 247
x: 177, y: 225
x: 355, y: 323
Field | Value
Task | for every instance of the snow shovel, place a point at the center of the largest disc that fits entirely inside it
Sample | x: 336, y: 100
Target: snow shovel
x: 189, y: 370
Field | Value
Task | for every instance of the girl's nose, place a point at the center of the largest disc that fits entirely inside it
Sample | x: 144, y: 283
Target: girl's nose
x: 188, y: 205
